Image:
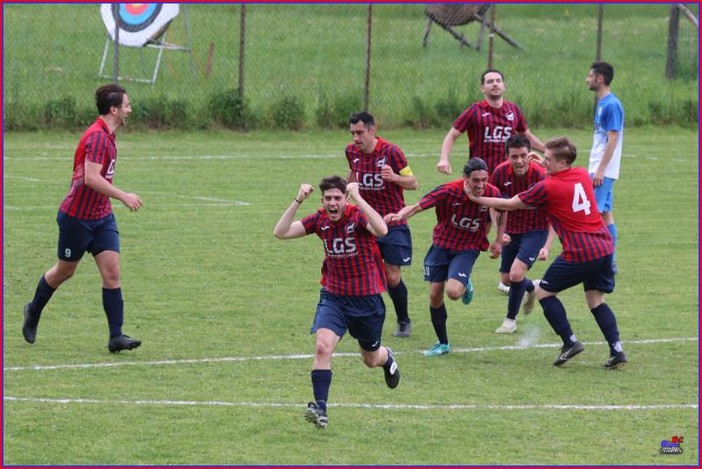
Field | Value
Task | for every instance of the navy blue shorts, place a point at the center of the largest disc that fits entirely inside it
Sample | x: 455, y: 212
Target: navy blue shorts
x: 78, y: 236
x: 362, y: 316
x: 442, y: 264
x: 525, y: 247
x: 396, y: 246
x: 594, y: 275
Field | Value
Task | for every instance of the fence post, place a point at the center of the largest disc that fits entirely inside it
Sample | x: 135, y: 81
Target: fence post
x: 598, y: 51
x: 673, y: 31
x: 115, y: 64
x: 366, y: 88
x: 242, y: 52
x: 491, y: 37
x: 600, y: 17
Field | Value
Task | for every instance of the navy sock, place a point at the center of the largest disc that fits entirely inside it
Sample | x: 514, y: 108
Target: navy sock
x: 398, y: 295
x: 528, y: 285
x: 556, y: 316
x: 515, y: 297
x: 42, y: 295
x: 113, y: 304
x: 438, y: 320
x: 321, y: 381
x: 608, y: 325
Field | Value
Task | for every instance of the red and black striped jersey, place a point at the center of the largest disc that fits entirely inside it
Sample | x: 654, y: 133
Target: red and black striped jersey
x: 488, y: 128
x: 352, y: 263
x: 97, y: 145
x: 385, y: 197
x: 461, y: 224
x: 509, y: 184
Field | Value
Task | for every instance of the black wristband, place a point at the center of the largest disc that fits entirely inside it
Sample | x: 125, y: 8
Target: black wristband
x: 298, y: 201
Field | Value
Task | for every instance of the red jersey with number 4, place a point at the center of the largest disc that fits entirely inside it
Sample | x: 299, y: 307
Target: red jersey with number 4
x: 352, y: 263
x: 488, y: 128
x: 569, y: 200
x: 97, y: 145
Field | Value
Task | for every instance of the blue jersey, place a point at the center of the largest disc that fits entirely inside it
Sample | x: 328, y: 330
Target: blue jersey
x: 609, y: 117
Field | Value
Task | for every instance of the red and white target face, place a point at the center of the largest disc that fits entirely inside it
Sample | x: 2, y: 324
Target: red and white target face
x: 138, y: 23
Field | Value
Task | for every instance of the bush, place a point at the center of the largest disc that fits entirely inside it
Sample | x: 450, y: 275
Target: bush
x: 230, y: 110
x: 420, y: 115
x: 449, y: 108
x: 336, y: 115
x: 60, y: 113
x: 288, y: 113
x: 162, y: 113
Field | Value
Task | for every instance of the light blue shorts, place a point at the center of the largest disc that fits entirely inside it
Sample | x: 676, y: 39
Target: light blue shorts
x: 604, y: 195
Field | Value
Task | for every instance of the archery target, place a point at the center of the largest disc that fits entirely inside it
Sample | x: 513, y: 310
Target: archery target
x: 138, y: 23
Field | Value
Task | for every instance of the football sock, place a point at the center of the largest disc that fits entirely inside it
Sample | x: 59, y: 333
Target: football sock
x: 438, y: 320
x: 528, y: 285
x: 113, y: 304
x: 42, y: 295
x: 556, y: 316
x: 613, y: 231
x: 608, y: 325
x: 398, y: 295
x: 321, y: 381
x: 515, y: 297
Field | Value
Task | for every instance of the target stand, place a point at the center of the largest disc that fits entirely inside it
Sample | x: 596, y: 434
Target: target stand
x: 449, y: 15
x: 142, y: 26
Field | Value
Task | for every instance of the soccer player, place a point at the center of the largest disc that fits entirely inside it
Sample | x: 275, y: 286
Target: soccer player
x: 459, y: 236
x: 606, y: 152
x: 352, y: 282
x: 488, y: 124
x: 568, y: 198
x: 86, y: 222
x: 382, y: 173
x: 525, y: 231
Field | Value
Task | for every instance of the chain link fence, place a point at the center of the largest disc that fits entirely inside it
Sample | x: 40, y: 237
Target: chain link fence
x: 295, y: 66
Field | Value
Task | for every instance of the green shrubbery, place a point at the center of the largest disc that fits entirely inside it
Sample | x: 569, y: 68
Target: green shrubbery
x: 289, y: 112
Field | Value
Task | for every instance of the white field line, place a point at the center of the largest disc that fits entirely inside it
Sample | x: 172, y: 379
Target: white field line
x: 257, y: 155
x: 310, y: 356
x: 479, y: 407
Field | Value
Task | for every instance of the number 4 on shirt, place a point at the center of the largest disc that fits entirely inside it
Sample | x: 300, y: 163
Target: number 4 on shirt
x: 580, y: 202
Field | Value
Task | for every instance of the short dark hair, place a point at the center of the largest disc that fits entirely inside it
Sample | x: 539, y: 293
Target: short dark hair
x: 492, y: 70
x: 605, y: 70
x: 108, y: 96
x: 562, y: 149
x: 332, y: 182
x: 474, y: 164
x: 363, y: 116
x: 517, y: 141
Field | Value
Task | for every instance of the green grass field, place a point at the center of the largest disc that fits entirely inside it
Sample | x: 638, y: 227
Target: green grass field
x: 224, y: 310
x: 316, y: 54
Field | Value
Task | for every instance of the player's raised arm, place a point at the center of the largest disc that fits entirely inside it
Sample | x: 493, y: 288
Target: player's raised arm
x: 286, y: 228
x: 376, y: 224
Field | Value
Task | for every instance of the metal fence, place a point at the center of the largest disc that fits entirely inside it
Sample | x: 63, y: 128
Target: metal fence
x: 309, y: 65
